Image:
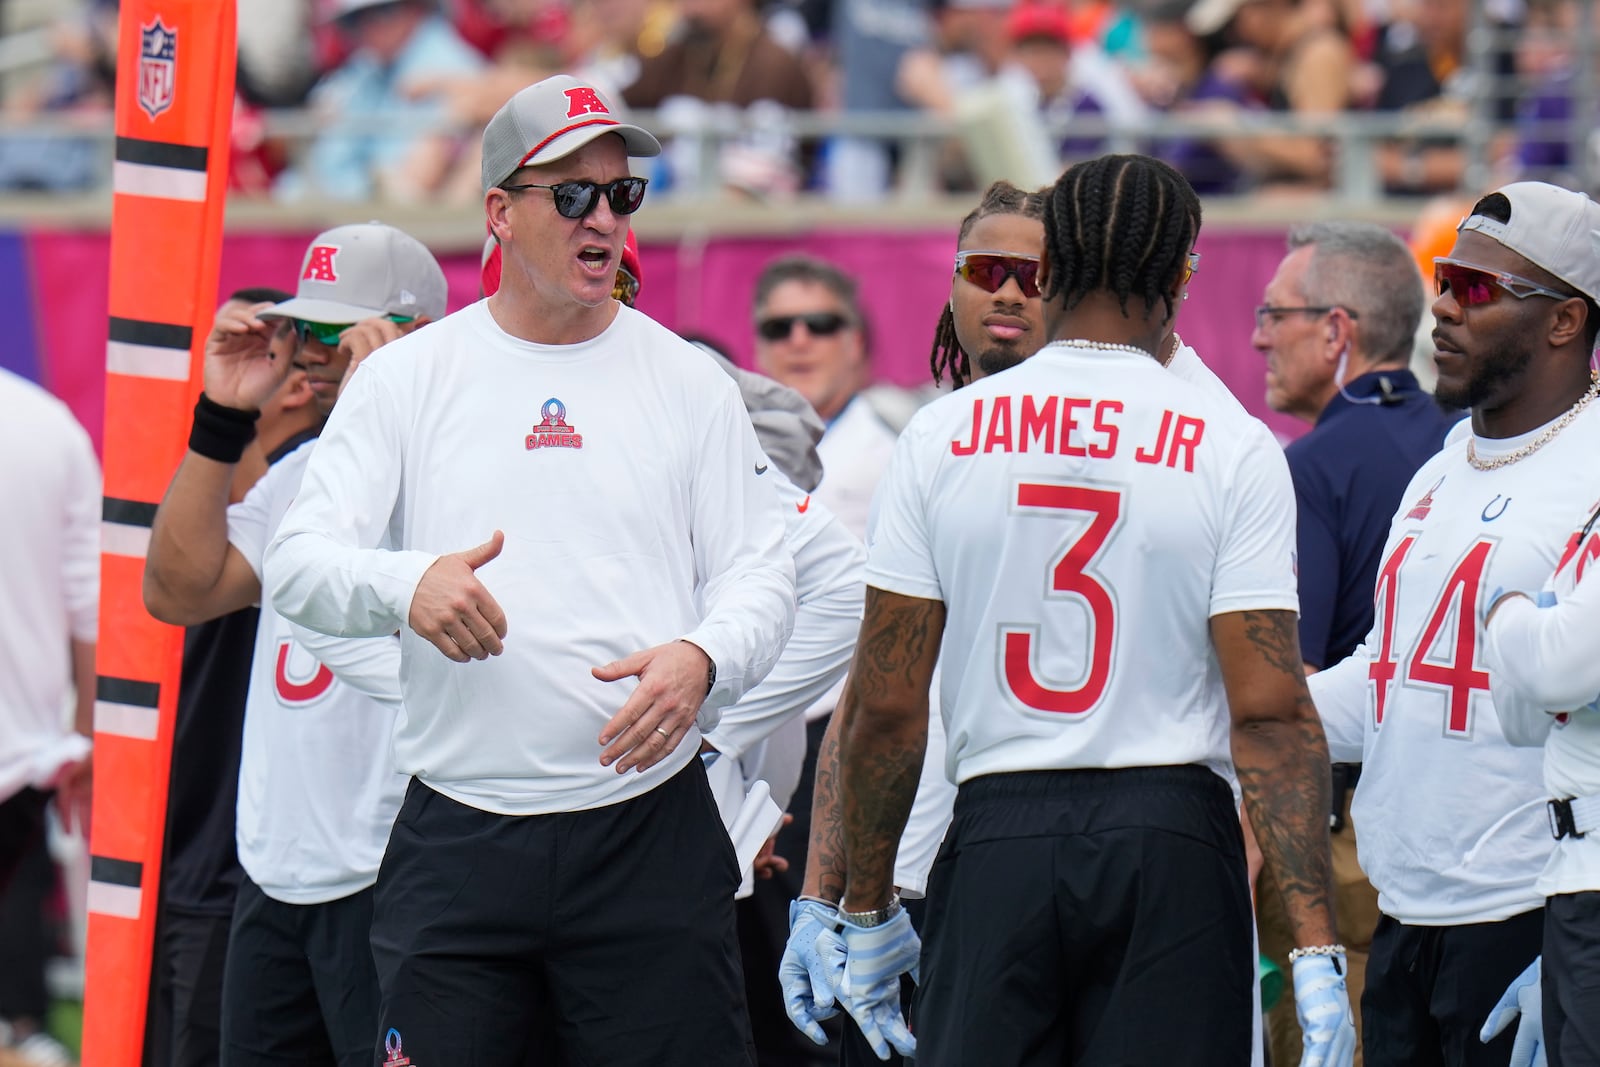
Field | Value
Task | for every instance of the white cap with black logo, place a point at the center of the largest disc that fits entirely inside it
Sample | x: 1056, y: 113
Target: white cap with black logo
x: 1551, y: 227
x: 364, y: 270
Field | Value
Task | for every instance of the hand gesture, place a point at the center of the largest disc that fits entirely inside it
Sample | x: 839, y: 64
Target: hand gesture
x: 367, y: 336
x: 1522, y: 1001
x: 75, y: 794
x: 658, y: 714
x: 454, y: 611
x: 813, y: 963
x: 241, y: 368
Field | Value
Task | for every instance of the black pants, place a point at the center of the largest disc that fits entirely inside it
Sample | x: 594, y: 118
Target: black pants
x: 184, y: 1027
x: 21, y: 829
x: 603, y: 937
x: 1430, y: 988
x: 1089, y: 918
x: 25, y: 937
x: 1571, y: 973
x: 298, y: 984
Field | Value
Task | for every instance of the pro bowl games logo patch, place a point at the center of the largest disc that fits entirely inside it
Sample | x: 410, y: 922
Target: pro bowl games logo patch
x: 158, y: 66
x: 396, y: 1056
x: 553, y: 431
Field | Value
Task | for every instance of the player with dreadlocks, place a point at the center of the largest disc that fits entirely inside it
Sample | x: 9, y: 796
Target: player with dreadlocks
x: 1100, y: 556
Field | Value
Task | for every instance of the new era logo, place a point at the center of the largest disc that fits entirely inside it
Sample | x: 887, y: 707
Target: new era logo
x: 585, y: 101
x: 319, y: 264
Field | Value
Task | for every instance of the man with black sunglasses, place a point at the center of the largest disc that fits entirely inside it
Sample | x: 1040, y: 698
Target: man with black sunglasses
x: 1451, y: 817
x: 318, y: 790
x: 1336, y: 326
x: 558, y: 882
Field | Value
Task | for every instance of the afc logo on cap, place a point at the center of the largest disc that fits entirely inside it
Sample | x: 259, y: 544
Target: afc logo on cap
x: 584, y: 101
x: 319, y: 264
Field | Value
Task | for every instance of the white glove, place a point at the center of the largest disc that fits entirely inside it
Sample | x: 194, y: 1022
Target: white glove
x: 875, y: 958
x: 813, y: 963
x: 1524, y: 998
x: 1323, y: 1006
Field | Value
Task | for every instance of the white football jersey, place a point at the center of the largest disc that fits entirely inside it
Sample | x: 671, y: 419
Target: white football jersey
x: 1082, y: 516
x: 1545, y: 678
x: 1450, y: 816
x: 318, y: 789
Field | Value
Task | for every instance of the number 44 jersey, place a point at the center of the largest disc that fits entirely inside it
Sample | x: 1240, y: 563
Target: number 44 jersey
x: 1082, y: 516
x: 1450, y: 817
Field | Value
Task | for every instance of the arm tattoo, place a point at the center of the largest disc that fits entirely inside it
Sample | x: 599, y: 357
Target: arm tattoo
x: 885, y: 733
x: 825, y: 858
x: 1282, y: 762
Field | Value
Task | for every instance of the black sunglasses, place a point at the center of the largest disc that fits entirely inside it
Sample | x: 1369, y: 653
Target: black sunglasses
x: 817, y: 323
x: 575, y: 199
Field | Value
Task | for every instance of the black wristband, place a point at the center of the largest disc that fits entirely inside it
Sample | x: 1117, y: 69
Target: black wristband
x: 220, y: 433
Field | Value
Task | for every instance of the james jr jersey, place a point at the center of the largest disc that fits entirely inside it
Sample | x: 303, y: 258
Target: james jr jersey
x: 1082, y: 516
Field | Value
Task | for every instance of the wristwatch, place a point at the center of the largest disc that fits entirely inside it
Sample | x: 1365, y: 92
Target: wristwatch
x: 876, y: 917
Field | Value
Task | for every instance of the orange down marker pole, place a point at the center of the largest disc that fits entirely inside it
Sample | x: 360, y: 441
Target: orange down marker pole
x: 175, y: 73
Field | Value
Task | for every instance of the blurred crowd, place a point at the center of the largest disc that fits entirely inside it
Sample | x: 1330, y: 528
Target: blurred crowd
x: 391, y: 94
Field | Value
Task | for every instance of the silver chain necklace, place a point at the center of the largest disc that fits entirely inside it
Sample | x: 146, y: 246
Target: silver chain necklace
x: 1102, y: 346
x: 1537, y: 443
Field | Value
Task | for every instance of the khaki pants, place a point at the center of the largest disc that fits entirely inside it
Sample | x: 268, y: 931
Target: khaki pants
x: 1356, y: 912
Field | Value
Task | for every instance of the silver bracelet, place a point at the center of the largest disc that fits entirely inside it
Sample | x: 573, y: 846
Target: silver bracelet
x: 1318, y: 950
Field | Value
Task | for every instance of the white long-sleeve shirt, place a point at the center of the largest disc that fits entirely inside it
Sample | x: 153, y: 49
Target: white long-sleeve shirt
x: 1545, y: 676
x: 49, y: 582
x: 630, y: 487
x: 1449, y: 815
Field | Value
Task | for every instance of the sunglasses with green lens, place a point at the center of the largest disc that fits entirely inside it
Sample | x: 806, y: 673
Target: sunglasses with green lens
x: 328, y: 332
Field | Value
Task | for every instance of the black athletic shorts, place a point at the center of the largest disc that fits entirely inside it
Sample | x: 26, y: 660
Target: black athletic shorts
x: 1430, y: 988
x: 597, y: 938
x: 298, y: 984
x: 1093, y: 917
x: 1571, y: 973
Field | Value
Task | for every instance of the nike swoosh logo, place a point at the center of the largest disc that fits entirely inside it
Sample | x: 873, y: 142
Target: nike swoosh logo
x: 761, y: 468
x: 801, y: 507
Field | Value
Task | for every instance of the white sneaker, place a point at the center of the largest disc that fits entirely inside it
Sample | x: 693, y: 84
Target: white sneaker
x: 42, y: 1050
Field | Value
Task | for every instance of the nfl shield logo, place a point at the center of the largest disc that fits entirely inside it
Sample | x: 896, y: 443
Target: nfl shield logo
x: 158, y: 50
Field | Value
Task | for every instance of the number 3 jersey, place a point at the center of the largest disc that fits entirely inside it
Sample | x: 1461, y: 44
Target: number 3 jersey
x: 1449, y: 816
x: 1082, y: 516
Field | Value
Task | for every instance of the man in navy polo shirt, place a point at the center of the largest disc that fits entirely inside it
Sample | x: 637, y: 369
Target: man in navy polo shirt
x: 1336, y: 327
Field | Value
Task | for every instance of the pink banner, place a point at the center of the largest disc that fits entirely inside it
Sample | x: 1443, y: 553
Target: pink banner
x: 693, y: 287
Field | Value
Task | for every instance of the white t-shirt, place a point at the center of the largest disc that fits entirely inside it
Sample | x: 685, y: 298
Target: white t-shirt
x: 854, y: 452
x: 50, y: 581
x: 318, y: 790
x: 1082, y: 516
x: 1450, y: 818
x: 1545, y: 678
x: 628, y: 482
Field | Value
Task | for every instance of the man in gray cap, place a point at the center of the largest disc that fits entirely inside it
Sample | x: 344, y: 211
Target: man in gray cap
x: 1450, y: 816
x: 318, y: 789
x: 558, y: 882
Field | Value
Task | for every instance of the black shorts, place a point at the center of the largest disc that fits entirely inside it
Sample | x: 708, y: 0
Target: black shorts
x: 298, y: 984
x: 1095, y: 917
x: 1430, y: 988
x: 1571, y: 973
x: 603, y: 937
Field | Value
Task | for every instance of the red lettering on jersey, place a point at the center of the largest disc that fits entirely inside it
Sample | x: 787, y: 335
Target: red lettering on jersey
x: 1154, y: 453
x: 1038, y: 424
x: 959, y: 449
x: 293, y: 692
x: 319, y: 264
x: 999, y: 434
x: 1069, y: 425
x: 1107, y: 448
x: 1186, y: 438
x: 1386, y: 597
x: 1568, y: 552
x: 1591, y: 550
x: 584, y: 101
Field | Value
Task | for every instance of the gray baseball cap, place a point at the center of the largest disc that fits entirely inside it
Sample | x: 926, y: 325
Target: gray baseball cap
x: 362, y: 271
x: 550, y: 120
x: 1552, y: 227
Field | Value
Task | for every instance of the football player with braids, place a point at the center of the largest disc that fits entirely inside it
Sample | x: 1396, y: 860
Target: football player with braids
x: 1039, y: 533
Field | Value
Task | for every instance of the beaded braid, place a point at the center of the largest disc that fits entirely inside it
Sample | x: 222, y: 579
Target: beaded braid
x: 1122, y: 224
x: 1001, y: 198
